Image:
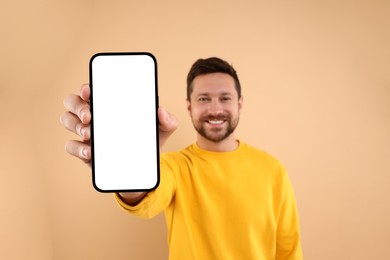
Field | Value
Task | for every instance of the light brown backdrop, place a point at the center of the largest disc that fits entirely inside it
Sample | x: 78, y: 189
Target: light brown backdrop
x: 316, y: 86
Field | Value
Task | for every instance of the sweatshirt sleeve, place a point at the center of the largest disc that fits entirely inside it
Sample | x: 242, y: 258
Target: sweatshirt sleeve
x: 288, y: 245
x: 157, y: 200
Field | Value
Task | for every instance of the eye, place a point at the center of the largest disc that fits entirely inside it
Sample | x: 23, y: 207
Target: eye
x: 226, y: 98
x: 203, y: 99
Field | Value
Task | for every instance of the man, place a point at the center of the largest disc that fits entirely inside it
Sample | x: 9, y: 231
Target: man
x: 223, y: 199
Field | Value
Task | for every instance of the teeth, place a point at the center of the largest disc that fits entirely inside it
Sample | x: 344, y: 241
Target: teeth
x: 216, y: 122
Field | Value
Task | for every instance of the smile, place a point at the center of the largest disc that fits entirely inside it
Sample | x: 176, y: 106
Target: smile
x: 215, y: 122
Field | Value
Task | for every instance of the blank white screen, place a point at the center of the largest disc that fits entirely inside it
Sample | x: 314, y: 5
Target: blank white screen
x: 125, y: 155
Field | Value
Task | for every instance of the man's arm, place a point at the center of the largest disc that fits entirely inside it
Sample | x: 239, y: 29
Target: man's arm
x: 288, y: 233
x: 77, y: 119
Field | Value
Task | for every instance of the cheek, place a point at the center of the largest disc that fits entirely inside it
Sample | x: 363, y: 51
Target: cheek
x: 195, y: 114
x: 197, y: 110
x: 192, y: 112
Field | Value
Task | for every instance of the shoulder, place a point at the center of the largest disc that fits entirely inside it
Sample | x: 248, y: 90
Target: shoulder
x: 263, y: 161
x: 262, y: 155
x: 181, y: 156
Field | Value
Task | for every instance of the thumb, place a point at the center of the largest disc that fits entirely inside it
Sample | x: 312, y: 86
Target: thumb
x: 167, y: 122
x: 167, y: 125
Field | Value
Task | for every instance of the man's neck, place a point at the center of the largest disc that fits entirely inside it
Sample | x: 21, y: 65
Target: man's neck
x: 226, y: 145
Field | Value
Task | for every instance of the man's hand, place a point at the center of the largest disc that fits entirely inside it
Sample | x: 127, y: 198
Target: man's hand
x: 77, y: 119
x: 167, y: 125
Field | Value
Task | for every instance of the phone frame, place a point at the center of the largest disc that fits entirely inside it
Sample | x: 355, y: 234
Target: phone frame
x: 92, y: 141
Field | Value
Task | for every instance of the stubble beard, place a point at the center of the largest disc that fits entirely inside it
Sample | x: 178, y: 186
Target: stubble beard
x: 217, y: 134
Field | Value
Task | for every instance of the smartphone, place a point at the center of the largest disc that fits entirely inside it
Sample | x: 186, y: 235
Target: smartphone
x: 124, y: 125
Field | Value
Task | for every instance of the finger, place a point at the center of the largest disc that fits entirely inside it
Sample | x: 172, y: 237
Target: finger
x: 167, y: 121
x: 79, y: 149
x: 85, y: 92
x: 167, y: 125
x: 76, y: 105
x: 73, y: 124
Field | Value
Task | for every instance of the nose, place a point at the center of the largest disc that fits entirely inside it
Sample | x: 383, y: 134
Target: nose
x: 215, y: 107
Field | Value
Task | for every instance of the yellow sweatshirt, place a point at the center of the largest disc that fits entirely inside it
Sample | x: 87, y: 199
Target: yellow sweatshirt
x: 236, y: 205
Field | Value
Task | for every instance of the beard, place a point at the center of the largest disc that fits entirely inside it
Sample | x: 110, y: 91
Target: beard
x: 216, y: 133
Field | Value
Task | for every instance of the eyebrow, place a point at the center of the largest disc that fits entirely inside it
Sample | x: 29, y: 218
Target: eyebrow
x: 221, y: 94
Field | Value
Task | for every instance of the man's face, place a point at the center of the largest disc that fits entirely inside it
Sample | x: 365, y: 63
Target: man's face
x: 214, y: 106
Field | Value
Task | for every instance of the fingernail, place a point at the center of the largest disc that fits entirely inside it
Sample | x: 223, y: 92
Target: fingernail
x: 166, y: 116
x: 82, y: 131
x: 84, y: 152
x: 82, y: 114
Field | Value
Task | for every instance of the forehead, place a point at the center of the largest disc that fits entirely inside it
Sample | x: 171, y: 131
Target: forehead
x: 214, y: 83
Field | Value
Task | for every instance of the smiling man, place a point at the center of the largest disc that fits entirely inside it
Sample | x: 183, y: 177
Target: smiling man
x: 214, y: 106
x: 223, y: 198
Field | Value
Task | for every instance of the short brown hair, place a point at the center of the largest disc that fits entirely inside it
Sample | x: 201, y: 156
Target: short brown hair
x: 211, y: 65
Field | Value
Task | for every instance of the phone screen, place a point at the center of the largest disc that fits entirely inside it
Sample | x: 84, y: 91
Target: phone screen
x: 124, y: 126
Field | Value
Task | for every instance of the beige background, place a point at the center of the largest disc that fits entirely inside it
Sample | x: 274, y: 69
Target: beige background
x: 316, y: 86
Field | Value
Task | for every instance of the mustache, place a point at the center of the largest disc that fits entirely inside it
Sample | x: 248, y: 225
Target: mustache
x: 223, y: 117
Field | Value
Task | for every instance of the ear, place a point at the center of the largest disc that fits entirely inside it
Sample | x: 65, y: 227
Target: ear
x: 188, y: 106
x: 240, y: 101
